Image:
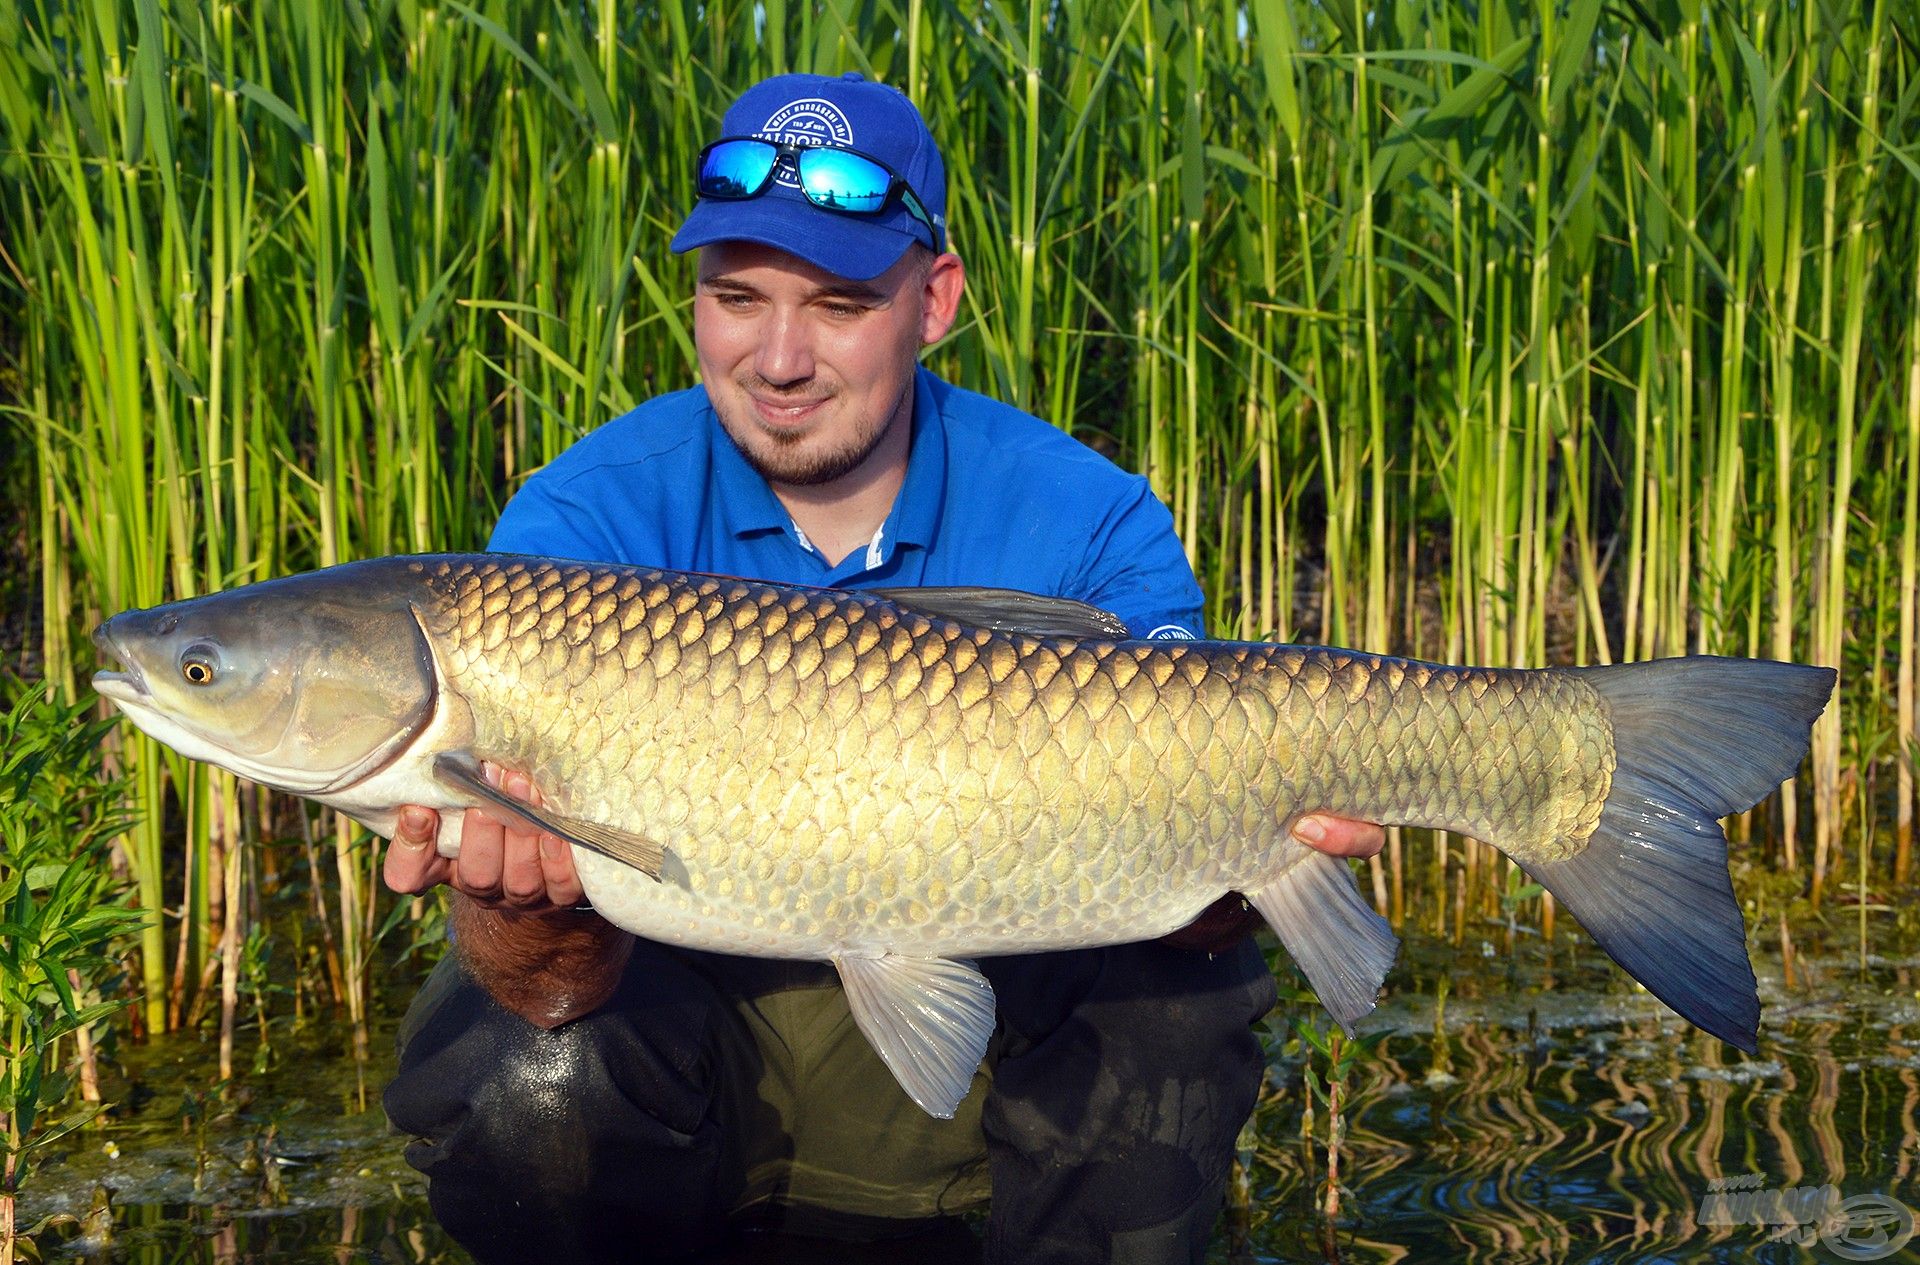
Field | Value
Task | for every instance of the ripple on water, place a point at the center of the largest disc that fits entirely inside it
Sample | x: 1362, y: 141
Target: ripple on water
x: 1553, y: 1111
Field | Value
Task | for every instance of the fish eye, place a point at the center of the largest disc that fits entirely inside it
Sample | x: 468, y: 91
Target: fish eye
x: 197, y: 665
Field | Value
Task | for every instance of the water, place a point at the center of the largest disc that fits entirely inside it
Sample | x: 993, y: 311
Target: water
x: 1559, y: 1114
x: 288, y: 1169
x: 1555, y: 1113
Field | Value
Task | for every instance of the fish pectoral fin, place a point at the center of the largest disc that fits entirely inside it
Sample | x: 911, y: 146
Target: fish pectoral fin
x: 462, y: 769
x: 1342, y: 945
x: 1011, y: 611
x: 929, y: 1019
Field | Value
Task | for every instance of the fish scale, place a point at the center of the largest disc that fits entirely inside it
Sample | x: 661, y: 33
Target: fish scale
x: 898, y: 781
x: 1028, y: 763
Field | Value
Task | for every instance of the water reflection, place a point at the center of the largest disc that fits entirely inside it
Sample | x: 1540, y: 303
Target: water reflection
x: 283, y: 1169
x: 1575, y: 1120
x: 1546, y: 1112
x: 166, y: 1235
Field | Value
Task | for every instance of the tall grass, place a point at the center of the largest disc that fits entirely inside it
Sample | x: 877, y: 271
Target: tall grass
x: 1523, y: 333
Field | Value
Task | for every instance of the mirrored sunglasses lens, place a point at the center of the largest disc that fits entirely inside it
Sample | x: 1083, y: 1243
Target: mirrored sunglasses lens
x: 736, y: 169
x: 843, y: 182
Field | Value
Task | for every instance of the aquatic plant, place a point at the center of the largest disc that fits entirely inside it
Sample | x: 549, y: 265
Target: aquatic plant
x: 62, y: 912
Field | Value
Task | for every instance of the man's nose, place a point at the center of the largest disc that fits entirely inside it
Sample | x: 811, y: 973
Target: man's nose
x: 786, y: 351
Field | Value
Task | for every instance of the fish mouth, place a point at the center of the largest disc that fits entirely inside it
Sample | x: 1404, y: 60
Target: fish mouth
x: 127, y: 686
x: 121, y: 687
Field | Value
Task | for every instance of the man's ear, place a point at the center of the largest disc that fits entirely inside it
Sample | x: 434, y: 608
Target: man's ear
x: 946, y: 279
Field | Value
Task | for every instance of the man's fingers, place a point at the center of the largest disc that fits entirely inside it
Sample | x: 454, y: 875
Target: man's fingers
x: 412, y: 865
x: 413, y: 872
x: 499, y: 864
x: 1340, y: 836
x: 506, y: 864
x: 417, y: 827
x: 520, y: 786
x: 476, y: 871
x: 556, y: 865
x: 523, y: 880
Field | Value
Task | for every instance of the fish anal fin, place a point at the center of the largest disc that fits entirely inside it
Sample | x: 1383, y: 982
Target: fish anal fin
x: 928, y: 1018
x: 1340, y: 943
x: 461, y: 769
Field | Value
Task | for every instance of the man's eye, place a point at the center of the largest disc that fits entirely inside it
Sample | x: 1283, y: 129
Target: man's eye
x: 735, y: 301
x: 844, y: 309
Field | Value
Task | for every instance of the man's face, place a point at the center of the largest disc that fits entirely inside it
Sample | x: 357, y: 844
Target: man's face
x: 808, y: 371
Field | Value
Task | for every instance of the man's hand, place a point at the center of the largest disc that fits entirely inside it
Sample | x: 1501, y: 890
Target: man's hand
x: 1340, y: 836
x: 514, y: 922
x: 1222, y: 924
x: 499, y: 866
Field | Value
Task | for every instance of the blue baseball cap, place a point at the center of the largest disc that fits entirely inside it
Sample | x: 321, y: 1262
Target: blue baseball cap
x: 851, y: 112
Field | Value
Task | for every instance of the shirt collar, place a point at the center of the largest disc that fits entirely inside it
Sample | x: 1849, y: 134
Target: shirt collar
x: 748, y: 506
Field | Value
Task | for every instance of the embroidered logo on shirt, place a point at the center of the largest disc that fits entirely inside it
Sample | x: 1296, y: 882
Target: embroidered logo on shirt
x: 805, y: 123
x: 1170, y: 632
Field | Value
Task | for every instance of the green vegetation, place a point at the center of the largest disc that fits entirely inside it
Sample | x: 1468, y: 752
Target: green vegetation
x: 1516, y: 333
x: 61, y: 911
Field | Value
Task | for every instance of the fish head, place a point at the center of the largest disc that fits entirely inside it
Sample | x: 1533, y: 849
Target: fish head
x: 308, y: 684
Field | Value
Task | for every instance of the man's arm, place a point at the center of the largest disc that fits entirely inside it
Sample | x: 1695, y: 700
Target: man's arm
x: 514, y: 891
x: 514, y: 924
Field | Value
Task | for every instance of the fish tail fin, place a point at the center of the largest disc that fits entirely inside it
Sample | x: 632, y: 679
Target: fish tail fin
x: 1695, y: 739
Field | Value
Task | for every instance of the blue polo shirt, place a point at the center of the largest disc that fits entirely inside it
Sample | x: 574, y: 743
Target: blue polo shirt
x: 992, y: 496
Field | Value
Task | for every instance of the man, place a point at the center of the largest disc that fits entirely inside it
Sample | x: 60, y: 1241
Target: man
x: 582, y: 1095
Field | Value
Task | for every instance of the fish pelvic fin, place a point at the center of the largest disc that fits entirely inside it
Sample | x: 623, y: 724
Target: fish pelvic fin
x: 461, y: 769
x: 1340, y: 943
x: 928, y: 1018
x: 1695, y: 739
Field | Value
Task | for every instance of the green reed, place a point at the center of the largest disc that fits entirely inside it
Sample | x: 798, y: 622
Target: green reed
x: 1524, y: 333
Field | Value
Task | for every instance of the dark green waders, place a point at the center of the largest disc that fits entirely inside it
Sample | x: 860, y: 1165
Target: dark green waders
x: 714, y: 1093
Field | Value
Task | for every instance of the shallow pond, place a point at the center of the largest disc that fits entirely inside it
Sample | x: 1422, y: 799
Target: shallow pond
x: 1548, y: 1112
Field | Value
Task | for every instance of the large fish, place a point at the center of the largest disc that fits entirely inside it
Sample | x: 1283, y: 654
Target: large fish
x: 900, y: 781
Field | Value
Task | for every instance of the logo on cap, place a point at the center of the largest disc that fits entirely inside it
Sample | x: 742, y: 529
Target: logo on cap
x: 805, y: 123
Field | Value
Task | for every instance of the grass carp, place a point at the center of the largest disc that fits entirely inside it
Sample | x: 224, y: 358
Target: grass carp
x: 898, y: 781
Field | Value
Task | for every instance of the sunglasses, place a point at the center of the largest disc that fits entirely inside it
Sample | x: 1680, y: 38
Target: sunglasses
x: 735, y: 168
